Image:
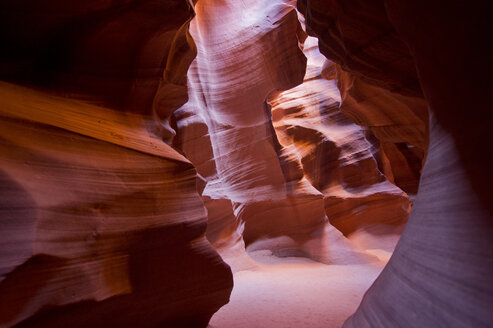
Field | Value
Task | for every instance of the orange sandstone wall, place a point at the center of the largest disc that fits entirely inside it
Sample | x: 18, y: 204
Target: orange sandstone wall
x: 100, y: 220
x: 440, y: 273
x: 280, y: 166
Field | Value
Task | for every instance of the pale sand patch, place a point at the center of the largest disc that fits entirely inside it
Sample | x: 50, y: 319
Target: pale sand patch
x: 295, y: 292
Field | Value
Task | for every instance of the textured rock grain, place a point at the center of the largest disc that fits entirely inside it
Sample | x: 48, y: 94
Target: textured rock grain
x: 245, y: 53
x: 336, y: 157
x: 277, y: 166
x: 440, y: 273
x: 97, y: 213
x: 96, y: 227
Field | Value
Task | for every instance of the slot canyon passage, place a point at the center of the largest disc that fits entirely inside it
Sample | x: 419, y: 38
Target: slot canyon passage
x: 253, y: 163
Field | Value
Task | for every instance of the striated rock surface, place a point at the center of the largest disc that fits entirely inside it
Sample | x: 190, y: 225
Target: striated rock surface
x: 337, y: 158
x: 96, y: 219
x: 278, y: 186
x: 223, y: 228
x: 392, y: 118
x: 399, y: 122
x: 440, y: 273
x: 245, y: 53
x: 100, y: 220
x: 377, y: 80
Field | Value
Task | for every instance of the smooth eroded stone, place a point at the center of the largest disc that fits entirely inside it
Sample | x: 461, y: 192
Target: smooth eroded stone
x: 101, y: 223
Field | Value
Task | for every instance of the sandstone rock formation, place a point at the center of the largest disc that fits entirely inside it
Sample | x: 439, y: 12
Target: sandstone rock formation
x: 100, y: 220
x: 97, y: 217
x: 111, y: 53
x: 378, y: 82
x: 337, y: 158
x: 440, y: 273
x: 245, y: 51
x: 357, y: 35
x: 399, y: 122
x: 132, y: 137
x: 274, y: 187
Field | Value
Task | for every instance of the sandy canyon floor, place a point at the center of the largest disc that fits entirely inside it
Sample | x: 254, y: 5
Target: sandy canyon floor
x: 294, y: 292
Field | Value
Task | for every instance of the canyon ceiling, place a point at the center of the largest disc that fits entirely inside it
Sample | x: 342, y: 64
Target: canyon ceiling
x: 148, y: 147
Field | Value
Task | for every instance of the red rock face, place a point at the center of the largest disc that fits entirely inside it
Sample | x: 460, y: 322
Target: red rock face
x: 94, y: 206
x: 100, y: 220
x: 336, y: 157
x: 440, y: 272
x: 280, y: 169
x: 400, y: 123
x: 377, y: 80
x: 358, y: 35
x: 132, y: 137
x: 107, y: 52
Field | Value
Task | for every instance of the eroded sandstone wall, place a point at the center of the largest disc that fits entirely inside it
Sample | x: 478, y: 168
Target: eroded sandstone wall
x: 440, y: 273
x: 338, y: 157
x: 279, y: 164
x: 100, y: 220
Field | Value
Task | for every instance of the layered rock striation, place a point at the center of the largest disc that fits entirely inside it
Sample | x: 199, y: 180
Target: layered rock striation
x: 100, y: 220
x: 97, y: 217
x: 235, y: 70
x: 132, y: 137
x: 338, y: 157
x: 279, y: 169
x: 440, y: 273
x: 399, y: 122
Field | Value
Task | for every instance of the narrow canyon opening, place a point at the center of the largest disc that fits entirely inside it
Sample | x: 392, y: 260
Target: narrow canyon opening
x: 253, y: 163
